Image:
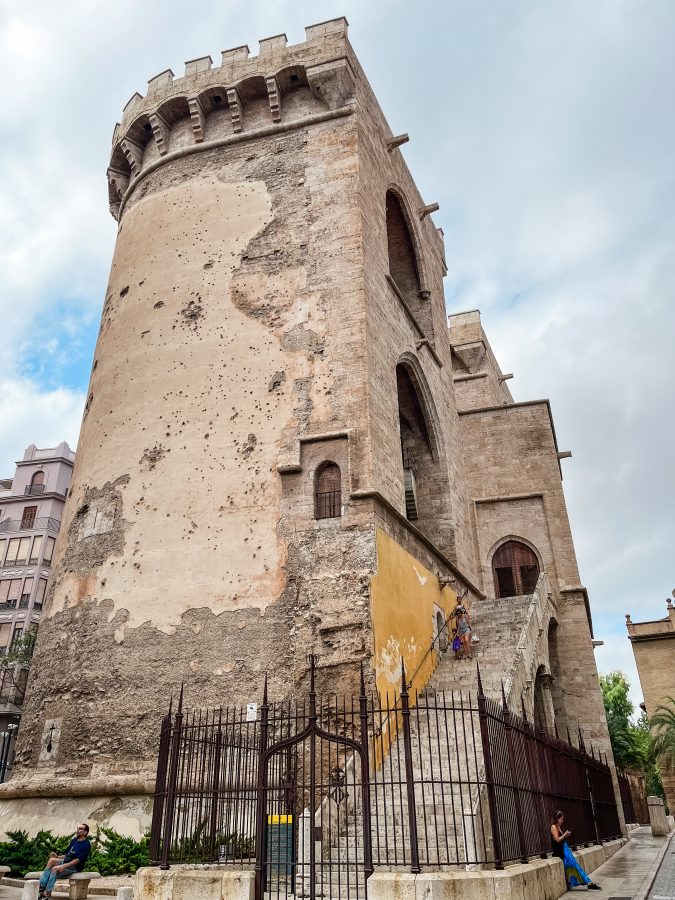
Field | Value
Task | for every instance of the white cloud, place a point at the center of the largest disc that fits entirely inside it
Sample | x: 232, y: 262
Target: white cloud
x: 33, y: 416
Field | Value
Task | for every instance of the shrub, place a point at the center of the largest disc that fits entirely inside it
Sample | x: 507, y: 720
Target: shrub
x: 111, y: 853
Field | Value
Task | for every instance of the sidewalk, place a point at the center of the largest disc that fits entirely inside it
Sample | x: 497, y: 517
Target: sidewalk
x: 628, y: 873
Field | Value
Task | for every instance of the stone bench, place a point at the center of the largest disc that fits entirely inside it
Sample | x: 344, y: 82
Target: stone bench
x: 78, y: 885
x: 4, y: 870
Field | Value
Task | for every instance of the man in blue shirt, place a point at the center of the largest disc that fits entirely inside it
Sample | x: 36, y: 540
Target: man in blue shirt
x: 65, y: 866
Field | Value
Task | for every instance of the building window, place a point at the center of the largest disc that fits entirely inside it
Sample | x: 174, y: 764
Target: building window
x: 37, y: 484
x: 9, y: 592
x: 16, y: 636
x: 25, y: 593
x: 49, y: 551
x: 515, y: 569
x: 28, y: 517
x: 35, y: 551
x: 40, y: 593
x: 328, y: 492
x: 17, y: 551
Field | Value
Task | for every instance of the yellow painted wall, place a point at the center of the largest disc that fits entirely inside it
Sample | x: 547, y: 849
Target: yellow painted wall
x: 402, y: 596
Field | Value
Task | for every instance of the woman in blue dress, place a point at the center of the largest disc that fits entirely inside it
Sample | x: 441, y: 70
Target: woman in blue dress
x: 574, y: 874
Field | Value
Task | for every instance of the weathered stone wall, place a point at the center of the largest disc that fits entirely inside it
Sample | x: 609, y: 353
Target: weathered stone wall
x: 233, y: 326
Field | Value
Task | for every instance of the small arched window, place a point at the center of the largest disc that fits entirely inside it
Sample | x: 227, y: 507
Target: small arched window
x: 37, y: 483
x: 515, y: 569
x: 328, y: 491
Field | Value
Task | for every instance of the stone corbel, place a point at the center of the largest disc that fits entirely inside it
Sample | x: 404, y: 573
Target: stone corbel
x: 236, y: 110
x: 197, y: 117
x: 160, y: 132
x: 118, y: 181
x: 133, y: 153
x: 274, y: 95
x: 332, y: 82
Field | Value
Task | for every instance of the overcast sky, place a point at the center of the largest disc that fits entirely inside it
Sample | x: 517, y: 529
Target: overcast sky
x: 544, y: 129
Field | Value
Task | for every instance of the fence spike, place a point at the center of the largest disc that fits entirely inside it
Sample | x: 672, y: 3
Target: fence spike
x: 404, y: 685
x: 180, y: 699
x: 480, y: 682
x: 523, y: 710
x: 170, y: 706
x: 569, y: 736
x: 265, y: 703
x: 555, y: 730
x: 363, y: 682
x: 503, y: 696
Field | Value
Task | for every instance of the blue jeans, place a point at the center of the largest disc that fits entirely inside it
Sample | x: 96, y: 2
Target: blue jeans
x: 49, y: 877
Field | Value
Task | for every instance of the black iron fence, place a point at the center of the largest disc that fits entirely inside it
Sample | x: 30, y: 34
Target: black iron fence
x: 316, y: 793
x: 626, y: 796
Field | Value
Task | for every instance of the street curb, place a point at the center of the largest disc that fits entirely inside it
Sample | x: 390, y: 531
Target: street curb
x: 650, y: 877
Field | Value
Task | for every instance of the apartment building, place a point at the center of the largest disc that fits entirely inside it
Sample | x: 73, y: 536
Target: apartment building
x: 31, y: 504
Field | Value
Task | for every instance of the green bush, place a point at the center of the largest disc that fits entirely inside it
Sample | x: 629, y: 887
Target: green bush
x: 111, y: 853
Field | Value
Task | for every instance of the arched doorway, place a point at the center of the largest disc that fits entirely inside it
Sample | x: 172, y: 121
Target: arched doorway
x: 515, y: 569
x: 426, y: 487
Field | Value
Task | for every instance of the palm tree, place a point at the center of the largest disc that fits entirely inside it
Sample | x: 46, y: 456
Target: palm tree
x: 663, y: 724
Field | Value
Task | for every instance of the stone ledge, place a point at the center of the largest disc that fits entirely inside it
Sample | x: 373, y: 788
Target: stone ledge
x: 542, y: 879
x: 188, y: 883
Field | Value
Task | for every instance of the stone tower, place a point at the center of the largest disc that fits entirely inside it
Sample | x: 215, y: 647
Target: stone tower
x: 272, y: 458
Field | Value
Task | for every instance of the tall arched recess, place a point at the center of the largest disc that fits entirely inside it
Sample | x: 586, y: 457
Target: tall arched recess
x: 425, y: 478
x: 404, y: 266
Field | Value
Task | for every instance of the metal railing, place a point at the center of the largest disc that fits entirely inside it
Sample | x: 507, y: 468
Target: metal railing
x: 34, y: 489
x: 327, y: 504
x: 42, y: 523
x: 626, y: 797
x: 449, y: 780
x: 409, y: 461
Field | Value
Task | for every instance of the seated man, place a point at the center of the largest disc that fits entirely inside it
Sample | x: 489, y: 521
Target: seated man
x: 64, y: 866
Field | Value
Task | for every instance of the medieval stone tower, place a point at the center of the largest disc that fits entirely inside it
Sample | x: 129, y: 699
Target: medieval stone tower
x: 283, y: 448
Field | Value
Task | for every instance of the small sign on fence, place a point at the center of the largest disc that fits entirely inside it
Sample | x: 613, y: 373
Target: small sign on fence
x: 251, y: 712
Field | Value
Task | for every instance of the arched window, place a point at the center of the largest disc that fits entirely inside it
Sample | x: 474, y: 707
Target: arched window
x: 402, y: 261
x: 515, y: 568
x: 37, y: 483
x: 328, y: 491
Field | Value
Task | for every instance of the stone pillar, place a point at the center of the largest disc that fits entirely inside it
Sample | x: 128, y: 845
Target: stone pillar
x: 657, y: 817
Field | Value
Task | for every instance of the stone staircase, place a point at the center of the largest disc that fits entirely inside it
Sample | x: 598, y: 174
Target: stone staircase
x: 451, y: 812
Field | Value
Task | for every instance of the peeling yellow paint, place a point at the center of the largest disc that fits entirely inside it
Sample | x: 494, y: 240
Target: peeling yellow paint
x: 404, y: 595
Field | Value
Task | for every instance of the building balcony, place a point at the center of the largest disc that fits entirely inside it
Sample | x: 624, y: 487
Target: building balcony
x: 8, y: 607
x: 42, y: 523
x: 34, y: 489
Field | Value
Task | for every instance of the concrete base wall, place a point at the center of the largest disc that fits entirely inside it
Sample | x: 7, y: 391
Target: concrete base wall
x: 543, y: 879
x: 190, y: 883
x: 540, y: 879
x: 129, y: 816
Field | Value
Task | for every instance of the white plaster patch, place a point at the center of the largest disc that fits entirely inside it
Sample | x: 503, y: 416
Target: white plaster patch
x: 388, y: 661
x: 421, y: 578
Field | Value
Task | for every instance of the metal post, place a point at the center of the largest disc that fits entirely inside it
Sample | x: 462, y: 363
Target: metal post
x: 216, y: 785
x: 489, y: 774
x: 409, y: 775
x: 171, y: 787
x: 312, y: 776
x: 160, y: 788
x: 514, y: 777
x: 365, y: 780
x: 261, y: 799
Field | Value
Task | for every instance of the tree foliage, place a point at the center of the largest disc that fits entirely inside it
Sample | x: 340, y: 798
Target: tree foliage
x: 663, y: 727
x: 633, y: 745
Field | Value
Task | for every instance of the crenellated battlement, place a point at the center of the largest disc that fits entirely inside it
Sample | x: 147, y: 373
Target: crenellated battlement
x: 284, y: 85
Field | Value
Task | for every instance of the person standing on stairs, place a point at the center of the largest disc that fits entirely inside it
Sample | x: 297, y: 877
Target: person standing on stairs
x: 464, y: 630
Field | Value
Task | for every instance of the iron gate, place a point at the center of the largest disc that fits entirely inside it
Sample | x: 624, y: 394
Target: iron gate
x: 313, y: 835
